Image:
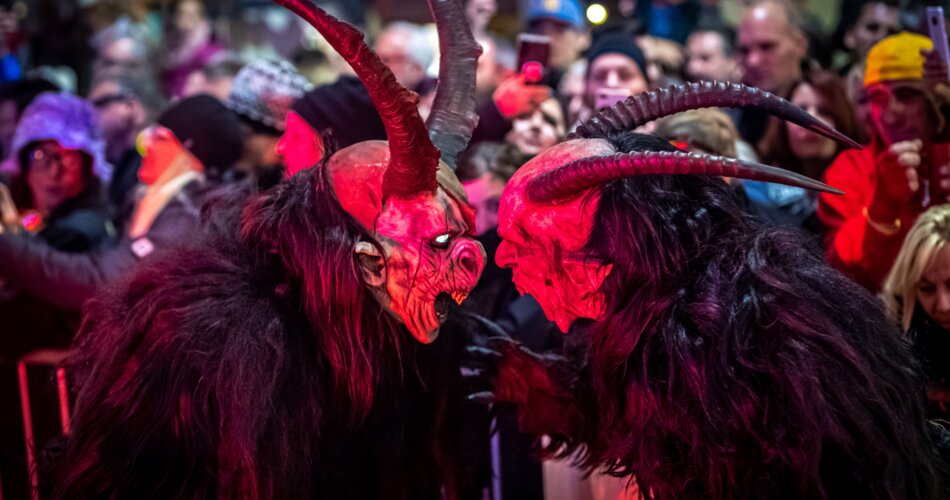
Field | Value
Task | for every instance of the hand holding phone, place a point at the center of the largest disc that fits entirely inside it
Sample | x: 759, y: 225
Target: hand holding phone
x: 534, y: 53
x: 938, y: 35
x: 607, y: 97
x: 515, y: 96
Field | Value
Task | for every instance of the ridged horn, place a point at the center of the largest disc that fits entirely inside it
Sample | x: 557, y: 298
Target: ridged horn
x: 579, y: 175
x: 648, y: 106
x: 413, y: 161
x: 453, y: 119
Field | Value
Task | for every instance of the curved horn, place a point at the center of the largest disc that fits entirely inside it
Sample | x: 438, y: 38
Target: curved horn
x: 648, y: 106
x: 453, y: 119
x: 413, y: 160
x: 580, y: 175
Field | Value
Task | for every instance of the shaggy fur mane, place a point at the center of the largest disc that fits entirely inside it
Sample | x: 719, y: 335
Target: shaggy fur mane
x: 733, y: 362
x: 254, y: 364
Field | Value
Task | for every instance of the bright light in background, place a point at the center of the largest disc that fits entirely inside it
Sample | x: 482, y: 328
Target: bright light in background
x: 596, y: 13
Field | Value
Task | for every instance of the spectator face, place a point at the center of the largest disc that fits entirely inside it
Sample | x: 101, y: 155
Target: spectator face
x: 807, y: 145
x: 483, y: 195
x: 877, y: 21
x: 260, y: 151
x: 707, y: 58
x: 479, y: 13
x: 391, y: 47
x: 572, y: 88
x: 160, y: 149
x: 537, y: 130
x: 899, y: 110
x: 489, y: 73
x: 567, y: 43
x: 197, y: 83
x: 613, y: 72
x: 933, y: 289
x: 54, y: 174
x: 300, y: 146
x: 189, y: 16
x: 120, y: 115
x: 124, y: 52
x: 771, y: 50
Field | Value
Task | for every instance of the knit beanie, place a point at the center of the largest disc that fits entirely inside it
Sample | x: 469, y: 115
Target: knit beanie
x: 264, y: 90
x: 618, y: 43
x: 69, y: 120
x: 206, y: 128
x: 896, y: 57
x: 343, y: 109
x: 708, y: 129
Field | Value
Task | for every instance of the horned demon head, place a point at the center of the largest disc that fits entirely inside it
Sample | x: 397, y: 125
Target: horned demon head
x: 547, y: 210
x: 424, y: 253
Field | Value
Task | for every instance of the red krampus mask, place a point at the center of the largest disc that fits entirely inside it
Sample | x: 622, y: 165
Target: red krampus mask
x: 424, y: 251
x: 547, y: 210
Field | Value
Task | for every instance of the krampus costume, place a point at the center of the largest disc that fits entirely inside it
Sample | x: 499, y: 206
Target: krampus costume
x: 716, y: 358
x: 272, y: 359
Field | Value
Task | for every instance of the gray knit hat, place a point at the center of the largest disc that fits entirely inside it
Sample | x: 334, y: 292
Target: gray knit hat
x: 264, y: 90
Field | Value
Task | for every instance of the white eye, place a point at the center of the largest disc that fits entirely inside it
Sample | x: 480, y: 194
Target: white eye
x: 441, y: 241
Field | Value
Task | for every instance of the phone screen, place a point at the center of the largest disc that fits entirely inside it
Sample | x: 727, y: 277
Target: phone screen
x: 606, y: 98
x: 534, y: 52
x: 938, y: 34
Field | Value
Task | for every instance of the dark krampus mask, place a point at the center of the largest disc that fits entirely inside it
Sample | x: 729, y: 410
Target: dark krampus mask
x: 547, y: 210
x: 424, y: 251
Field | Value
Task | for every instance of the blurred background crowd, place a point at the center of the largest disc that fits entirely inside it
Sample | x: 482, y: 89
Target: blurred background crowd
x: 120, y: 118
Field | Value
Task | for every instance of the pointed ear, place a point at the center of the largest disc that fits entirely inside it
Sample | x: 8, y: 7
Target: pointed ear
x: 591, y: 274
x: 597, y: 274
x: 372, y: 263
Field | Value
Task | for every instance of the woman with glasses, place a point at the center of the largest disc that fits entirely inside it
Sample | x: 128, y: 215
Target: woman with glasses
x: 61, y: 161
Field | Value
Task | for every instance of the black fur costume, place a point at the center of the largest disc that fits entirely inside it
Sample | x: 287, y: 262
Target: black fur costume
x: 260, y: 367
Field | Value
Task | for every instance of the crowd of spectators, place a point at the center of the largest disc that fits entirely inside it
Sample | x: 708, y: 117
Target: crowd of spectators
x: 119, y: 119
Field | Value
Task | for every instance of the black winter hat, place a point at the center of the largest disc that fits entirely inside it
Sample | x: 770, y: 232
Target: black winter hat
x: 208, y: 129
x: 344, y: 109
x: 614, y: 42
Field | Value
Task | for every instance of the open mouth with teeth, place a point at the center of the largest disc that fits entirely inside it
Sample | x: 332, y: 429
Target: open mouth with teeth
x: 427, y: 318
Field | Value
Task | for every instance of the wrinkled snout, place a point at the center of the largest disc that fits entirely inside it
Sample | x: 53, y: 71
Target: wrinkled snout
x: 469, y: 258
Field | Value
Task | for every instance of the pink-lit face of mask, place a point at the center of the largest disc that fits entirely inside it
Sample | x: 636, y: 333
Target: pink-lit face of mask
x: 427, y: 240
x: 543, y: 243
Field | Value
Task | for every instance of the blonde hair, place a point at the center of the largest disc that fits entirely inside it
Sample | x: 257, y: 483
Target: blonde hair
x: 924, y: 241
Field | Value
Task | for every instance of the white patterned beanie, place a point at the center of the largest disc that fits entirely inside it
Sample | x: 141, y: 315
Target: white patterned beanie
x: 264, y: 90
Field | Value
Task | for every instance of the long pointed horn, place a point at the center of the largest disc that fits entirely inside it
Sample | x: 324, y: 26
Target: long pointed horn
x: 453, y: 119
x: 413, y: 161
x: 648, y: 106
x: 580, y: 175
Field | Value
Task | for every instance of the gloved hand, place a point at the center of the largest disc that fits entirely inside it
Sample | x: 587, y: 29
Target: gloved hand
x: 501, y: 370
x: 515, y: 96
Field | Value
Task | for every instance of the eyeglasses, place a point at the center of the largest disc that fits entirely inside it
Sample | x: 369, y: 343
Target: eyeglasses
x: 43, y: 158
x: 147, y: 138
x: 105, y: 100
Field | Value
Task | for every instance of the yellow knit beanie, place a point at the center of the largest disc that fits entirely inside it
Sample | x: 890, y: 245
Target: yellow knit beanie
x: 896, y: 57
